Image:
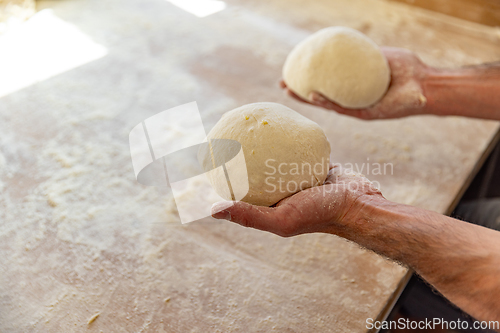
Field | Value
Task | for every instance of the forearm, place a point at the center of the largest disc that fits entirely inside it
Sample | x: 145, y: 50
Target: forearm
x: 469, y: 91
x: 459, y: 259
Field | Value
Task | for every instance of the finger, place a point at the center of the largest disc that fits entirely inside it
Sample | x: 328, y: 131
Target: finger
x: 263, y: 218
x: 333, y: 173
x: 360, y: 114
x: 297, y: 97
x: 320, y: 100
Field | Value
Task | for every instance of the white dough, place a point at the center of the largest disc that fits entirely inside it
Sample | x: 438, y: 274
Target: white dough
x: 341, y: 63
x: 271, y: 135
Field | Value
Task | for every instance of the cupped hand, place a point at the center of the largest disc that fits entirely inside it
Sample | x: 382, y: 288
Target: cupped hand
x: 404, y: 96
x: 325, y: 208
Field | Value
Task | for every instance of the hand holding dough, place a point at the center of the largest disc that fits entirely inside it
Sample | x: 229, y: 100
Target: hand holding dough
x: 284, y: 151
x: 340, y: 63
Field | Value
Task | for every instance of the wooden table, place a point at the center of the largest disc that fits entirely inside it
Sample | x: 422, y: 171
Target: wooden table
x: 480, y: 11
x: 84, y: 247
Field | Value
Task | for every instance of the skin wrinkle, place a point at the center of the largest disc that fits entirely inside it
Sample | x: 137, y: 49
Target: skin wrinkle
x: 291, y: 229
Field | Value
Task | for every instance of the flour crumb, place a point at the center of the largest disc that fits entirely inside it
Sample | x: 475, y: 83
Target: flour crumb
x: 93, y: 318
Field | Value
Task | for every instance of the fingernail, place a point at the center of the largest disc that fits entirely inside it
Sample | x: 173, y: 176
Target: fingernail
x: 222, y: 215
x: 219, y: 210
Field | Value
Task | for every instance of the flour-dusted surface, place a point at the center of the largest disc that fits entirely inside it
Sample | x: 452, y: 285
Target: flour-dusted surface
x: 84, y: 247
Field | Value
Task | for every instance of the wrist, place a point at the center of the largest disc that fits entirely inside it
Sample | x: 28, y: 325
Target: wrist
x: 376, y: 226
x: 434, y: 83
x: 390, y: 229
x: 372, y: 223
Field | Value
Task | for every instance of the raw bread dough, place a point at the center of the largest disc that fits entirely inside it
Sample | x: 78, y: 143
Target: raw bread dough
x: 284, y: 151
x: 341, y: 63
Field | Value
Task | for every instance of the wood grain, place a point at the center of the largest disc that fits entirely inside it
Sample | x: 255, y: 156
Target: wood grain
x: 480, y: 11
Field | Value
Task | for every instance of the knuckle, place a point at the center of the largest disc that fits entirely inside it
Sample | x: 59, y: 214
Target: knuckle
x: 247, y: 222
x: 287, y: 227
x: 246, y: 218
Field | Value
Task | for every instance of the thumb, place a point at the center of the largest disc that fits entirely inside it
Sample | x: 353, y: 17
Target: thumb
x: 251, y: 216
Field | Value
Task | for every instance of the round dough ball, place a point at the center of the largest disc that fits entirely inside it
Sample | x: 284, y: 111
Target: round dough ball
x: 284, y: 151
x: 342, y: 64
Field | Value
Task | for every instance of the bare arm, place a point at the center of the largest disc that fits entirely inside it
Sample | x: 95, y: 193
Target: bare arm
x: 470, y: 91
x: 461, y: 260
x: 416, y: 88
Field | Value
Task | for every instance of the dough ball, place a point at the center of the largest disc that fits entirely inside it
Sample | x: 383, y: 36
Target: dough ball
x: 342, y: 64
x: 284, y: 151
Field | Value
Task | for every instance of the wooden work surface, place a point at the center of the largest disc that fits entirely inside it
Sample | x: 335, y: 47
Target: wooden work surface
x: 79, y: 237
x: 480, y: 11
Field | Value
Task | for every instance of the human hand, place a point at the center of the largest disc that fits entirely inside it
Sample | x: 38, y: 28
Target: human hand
x: 327, y: 208
x: 404, y: 96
